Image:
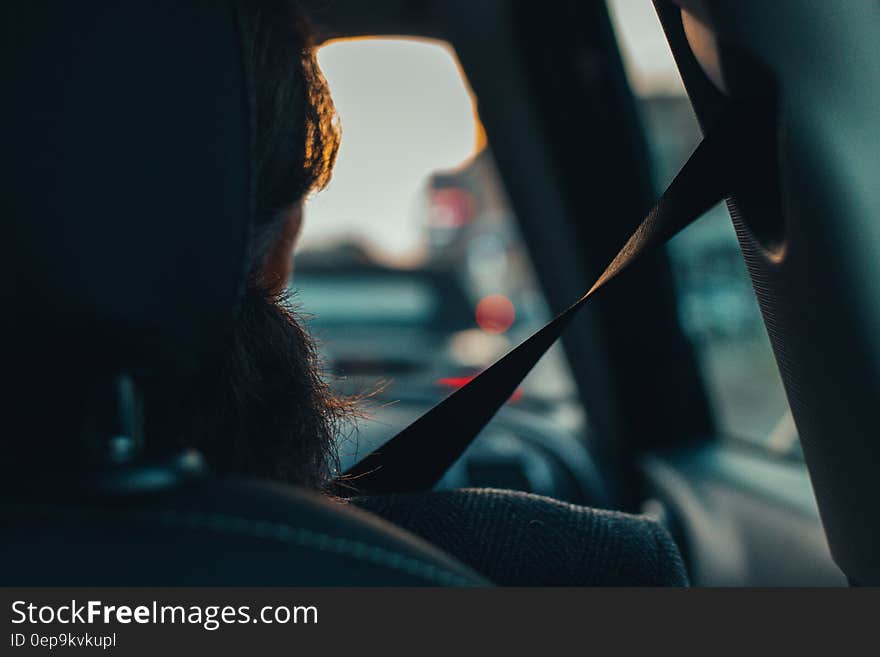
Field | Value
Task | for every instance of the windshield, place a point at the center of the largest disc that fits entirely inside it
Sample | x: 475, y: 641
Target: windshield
x: 410, y: 269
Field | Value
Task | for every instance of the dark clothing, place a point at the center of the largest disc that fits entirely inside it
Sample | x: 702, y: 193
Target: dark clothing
x: 520, y: 539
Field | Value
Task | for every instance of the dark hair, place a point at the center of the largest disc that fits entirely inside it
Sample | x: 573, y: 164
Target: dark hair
x: 297, y: 132
x: 263, y: 408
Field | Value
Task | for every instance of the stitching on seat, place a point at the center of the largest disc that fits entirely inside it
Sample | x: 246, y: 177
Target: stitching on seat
x: 278, y: 531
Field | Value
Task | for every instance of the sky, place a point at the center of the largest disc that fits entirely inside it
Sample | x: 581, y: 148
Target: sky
x: 405, y: 112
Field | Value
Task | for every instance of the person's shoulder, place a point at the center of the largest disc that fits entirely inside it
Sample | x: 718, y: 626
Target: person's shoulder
x: 518, y: 538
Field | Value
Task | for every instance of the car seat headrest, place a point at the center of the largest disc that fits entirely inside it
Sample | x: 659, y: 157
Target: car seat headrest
x: 126, y: 179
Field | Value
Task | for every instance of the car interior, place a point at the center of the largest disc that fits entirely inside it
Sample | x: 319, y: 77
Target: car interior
x: 719, y: 388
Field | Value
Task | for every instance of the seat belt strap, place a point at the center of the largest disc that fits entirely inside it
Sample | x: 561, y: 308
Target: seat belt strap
x: 731, y: 154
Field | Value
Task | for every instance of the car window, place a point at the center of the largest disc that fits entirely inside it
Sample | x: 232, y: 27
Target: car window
x: 716, y: 304
x: 410, y: 269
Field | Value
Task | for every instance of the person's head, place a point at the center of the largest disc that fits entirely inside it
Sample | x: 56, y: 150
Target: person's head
x: 264, y: 409
x: 297, y: 132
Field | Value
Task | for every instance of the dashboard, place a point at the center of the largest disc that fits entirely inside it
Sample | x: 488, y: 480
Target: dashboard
x: 519, y: 449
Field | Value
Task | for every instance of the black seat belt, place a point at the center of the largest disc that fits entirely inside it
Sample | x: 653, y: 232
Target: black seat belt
x: 737, y: 154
